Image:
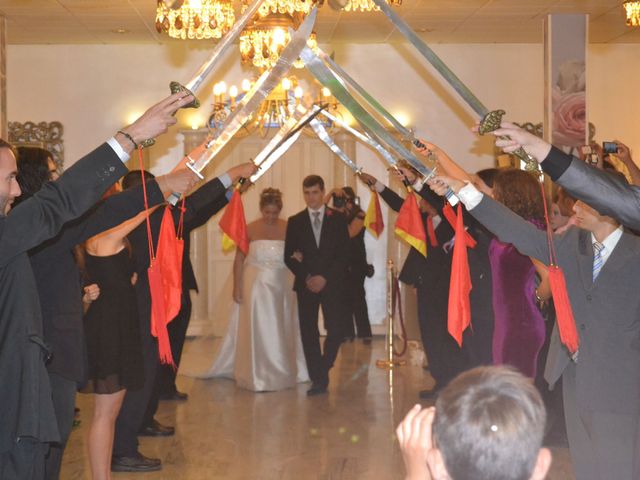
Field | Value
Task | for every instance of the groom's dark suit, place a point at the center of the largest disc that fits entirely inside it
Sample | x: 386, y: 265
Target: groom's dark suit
x: 330, y: 260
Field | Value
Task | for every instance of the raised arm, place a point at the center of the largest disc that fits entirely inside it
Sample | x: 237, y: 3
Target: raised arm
x: 391, y: 198
x: 505, y: 224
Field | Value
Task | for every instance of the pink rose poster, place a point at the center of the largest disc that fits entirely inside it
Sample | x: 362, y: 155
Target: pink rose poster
x: 565, y: 86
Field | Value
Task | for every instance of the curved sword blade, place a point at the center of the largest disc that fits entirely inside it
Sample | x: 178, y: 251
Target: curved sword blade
x: 435, y: 61
x: 324, y: 136
x: 254, y: 97
x: 222, y: 46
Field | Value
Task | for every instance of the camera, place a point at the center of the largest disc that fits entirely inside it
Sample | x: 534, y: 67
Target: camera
x: 339, y: 201
x: 609, y: 148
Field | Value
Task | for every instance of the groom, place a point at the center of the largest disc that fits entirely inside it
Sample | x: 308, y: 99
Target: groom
x: 316, y: 251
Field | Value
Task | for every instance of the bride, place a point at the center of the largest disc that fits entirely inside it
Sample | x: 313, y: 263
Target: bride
x: 262, y: 349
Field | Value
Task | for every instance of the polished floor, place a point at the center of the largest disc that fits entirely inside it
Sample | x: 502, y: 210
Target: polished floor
x: 224, y: 432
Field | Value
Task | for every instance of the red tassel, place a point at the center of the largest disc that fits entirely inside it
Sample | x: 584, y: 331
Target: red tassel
x: 460, y: 286
x: 564, y: 313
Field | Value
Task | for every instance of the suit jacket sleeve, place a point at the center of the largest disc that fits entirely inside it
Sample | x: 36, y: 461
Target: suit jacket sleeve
x: 433, y: 198
x: 338, y: 265
x: 291, y: 244
x: 206, y: 198
x: 203, y: 215
x: 109, y: 213
x: 41, y: 216
x: 609, y: 194
x: 392, y: 199
x: 511, y: 228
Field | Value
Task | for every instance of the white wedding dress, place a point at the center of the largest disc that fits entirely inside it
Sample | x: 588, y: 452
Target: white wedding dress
x: 262, y: 349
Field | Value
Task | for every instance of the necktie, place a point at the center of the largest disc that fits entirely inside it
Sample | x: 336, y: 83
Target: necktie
x: 317, y: 224
x: 598, y: 248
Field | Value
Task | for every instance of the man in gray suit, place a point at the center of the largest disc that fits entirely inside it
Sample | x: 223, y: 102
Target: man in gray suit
x: 608, y: 193
x: 602, y: 384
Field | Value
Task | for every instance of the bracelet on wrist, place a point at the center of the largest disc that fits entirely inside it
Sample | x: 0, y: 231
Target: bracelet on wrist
x: 130, y: 138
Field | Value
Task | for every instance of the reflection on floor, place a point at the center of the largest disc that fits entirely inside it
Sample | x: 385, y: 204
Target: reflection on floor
x: 223, y: 432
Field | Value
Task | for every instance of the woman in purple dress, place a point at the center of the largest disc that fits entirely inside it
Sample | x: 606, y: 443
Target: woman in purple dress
x: 519, y: 329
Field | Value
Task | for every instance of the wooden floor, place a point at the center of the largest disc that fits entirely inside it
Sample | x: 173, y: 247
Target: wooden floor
x: 224, y: 432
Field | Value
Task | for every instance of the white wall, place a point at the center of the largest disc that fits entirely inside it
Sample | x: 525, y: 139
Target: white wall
x: 94, y: 89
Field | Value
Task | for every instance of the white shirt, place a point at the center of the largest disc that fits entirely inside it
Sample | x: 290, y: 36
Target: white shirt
x: 117, y: 148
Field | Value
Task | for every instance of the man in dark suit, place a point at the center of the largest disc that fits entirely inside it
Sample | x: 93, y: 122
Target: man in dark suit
x: 601, y: 383
x: 316, y: 251
x: 138, y: 407
x: 29, y: 422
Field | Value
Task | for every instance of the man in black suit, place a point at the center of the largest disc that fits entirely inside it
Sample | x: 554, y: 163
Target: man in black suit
x: 29, y: 422
x: 138, y: 407
x: 316, y: 251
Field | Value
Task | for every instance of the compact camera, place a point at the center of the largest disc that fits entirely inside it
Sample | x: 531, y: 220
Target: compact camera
x: 609, y: 147
x: 339, y: 201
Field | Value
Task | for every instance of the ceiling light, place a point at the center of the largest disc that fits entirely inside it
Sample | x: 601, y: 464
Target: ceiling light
x: 633, y: 13
x: 195, y: 19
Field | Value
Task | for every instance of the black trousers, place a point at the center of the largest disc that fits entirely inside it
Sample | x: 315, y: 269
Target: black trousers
x: 165, y: 374
x: 25, y: 460
x: 446, y: 359
x: 135, y: 404
x: 320, y: 360
x: 63, y: 394
x: 359, y: 311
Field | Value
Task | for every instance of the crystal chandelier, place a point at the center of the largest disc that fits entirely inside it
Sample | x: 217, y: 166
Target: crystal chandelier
x: 633, y: 13
x: 290, y: 7
x: 195, y: 19
x: 274, y: 111
x: 367, y: 5
x: 262, y: 43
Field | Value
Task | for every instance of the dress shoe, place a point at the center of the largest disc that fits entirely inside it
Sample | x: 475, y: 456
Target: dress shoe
x: 175, y: 396
x: 429, y: 393
x: 156, y: 429
x: 316, y: 389
x: 137, y: 463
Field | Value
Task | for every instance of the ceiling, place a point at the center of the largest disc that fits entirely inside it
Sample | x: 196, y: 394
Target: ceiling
x: 437, y: 21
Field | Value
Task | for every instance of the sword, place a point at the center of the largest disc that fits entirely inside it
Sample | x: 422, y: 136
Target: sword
x: 282, y: 141
x: 490, y: 121
x: 328, y: 78
x: 377, y: 107
x: 365, y: 138
x: 324, y: 136
x: 203, y: 72
x: 221, y: 47
x: 253, y: 98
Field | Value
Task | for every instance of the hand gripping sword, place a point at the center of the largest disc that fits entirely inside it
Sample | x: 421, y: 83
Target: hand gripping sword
x: 252, y: 99
x: 490, y: 121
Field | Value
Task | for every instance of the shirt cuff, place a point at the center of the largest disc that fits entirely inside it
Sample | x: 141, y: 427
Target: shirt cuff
x: 556, y: 163
x: 119, y: 151
x: 225, y: 179
x: 379, y: 186
x: 470, y: 196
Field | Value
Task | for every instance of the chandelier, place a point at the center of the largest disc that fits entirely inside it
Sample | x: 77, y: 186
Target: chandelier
x: 274, y: 111
x: 367, y: 5
x: 263, y: 42
x: 195, y: 19
x: 633, y: 13
x: 290, y: 7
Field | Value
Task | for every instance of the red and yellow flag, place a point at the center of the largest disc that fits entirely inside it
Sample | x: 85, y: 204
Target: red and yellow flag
x: 409, y: 225
x: 373, y: 220
x: 234, y: 226
x: 460, y: 286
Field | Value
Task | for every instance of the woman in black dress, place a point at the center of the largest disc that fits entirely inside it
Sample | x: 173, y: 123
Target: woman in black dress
x: 113, y: 337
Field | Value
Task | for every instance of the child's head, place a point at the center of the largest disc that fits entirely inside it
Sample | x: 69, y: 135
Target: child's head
x: 489, y: 425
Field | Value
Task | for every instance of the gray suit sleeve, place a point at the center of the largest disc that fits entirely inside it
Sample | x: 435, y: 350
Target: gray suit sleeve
x: 609, y: 194
x: 511, y: 228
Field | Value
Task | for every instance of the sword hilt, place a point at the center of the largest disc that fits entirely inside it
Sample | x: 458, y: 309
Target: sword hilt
x: 491, y: 122
x: 175, y: 196
x: 175, y: 87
